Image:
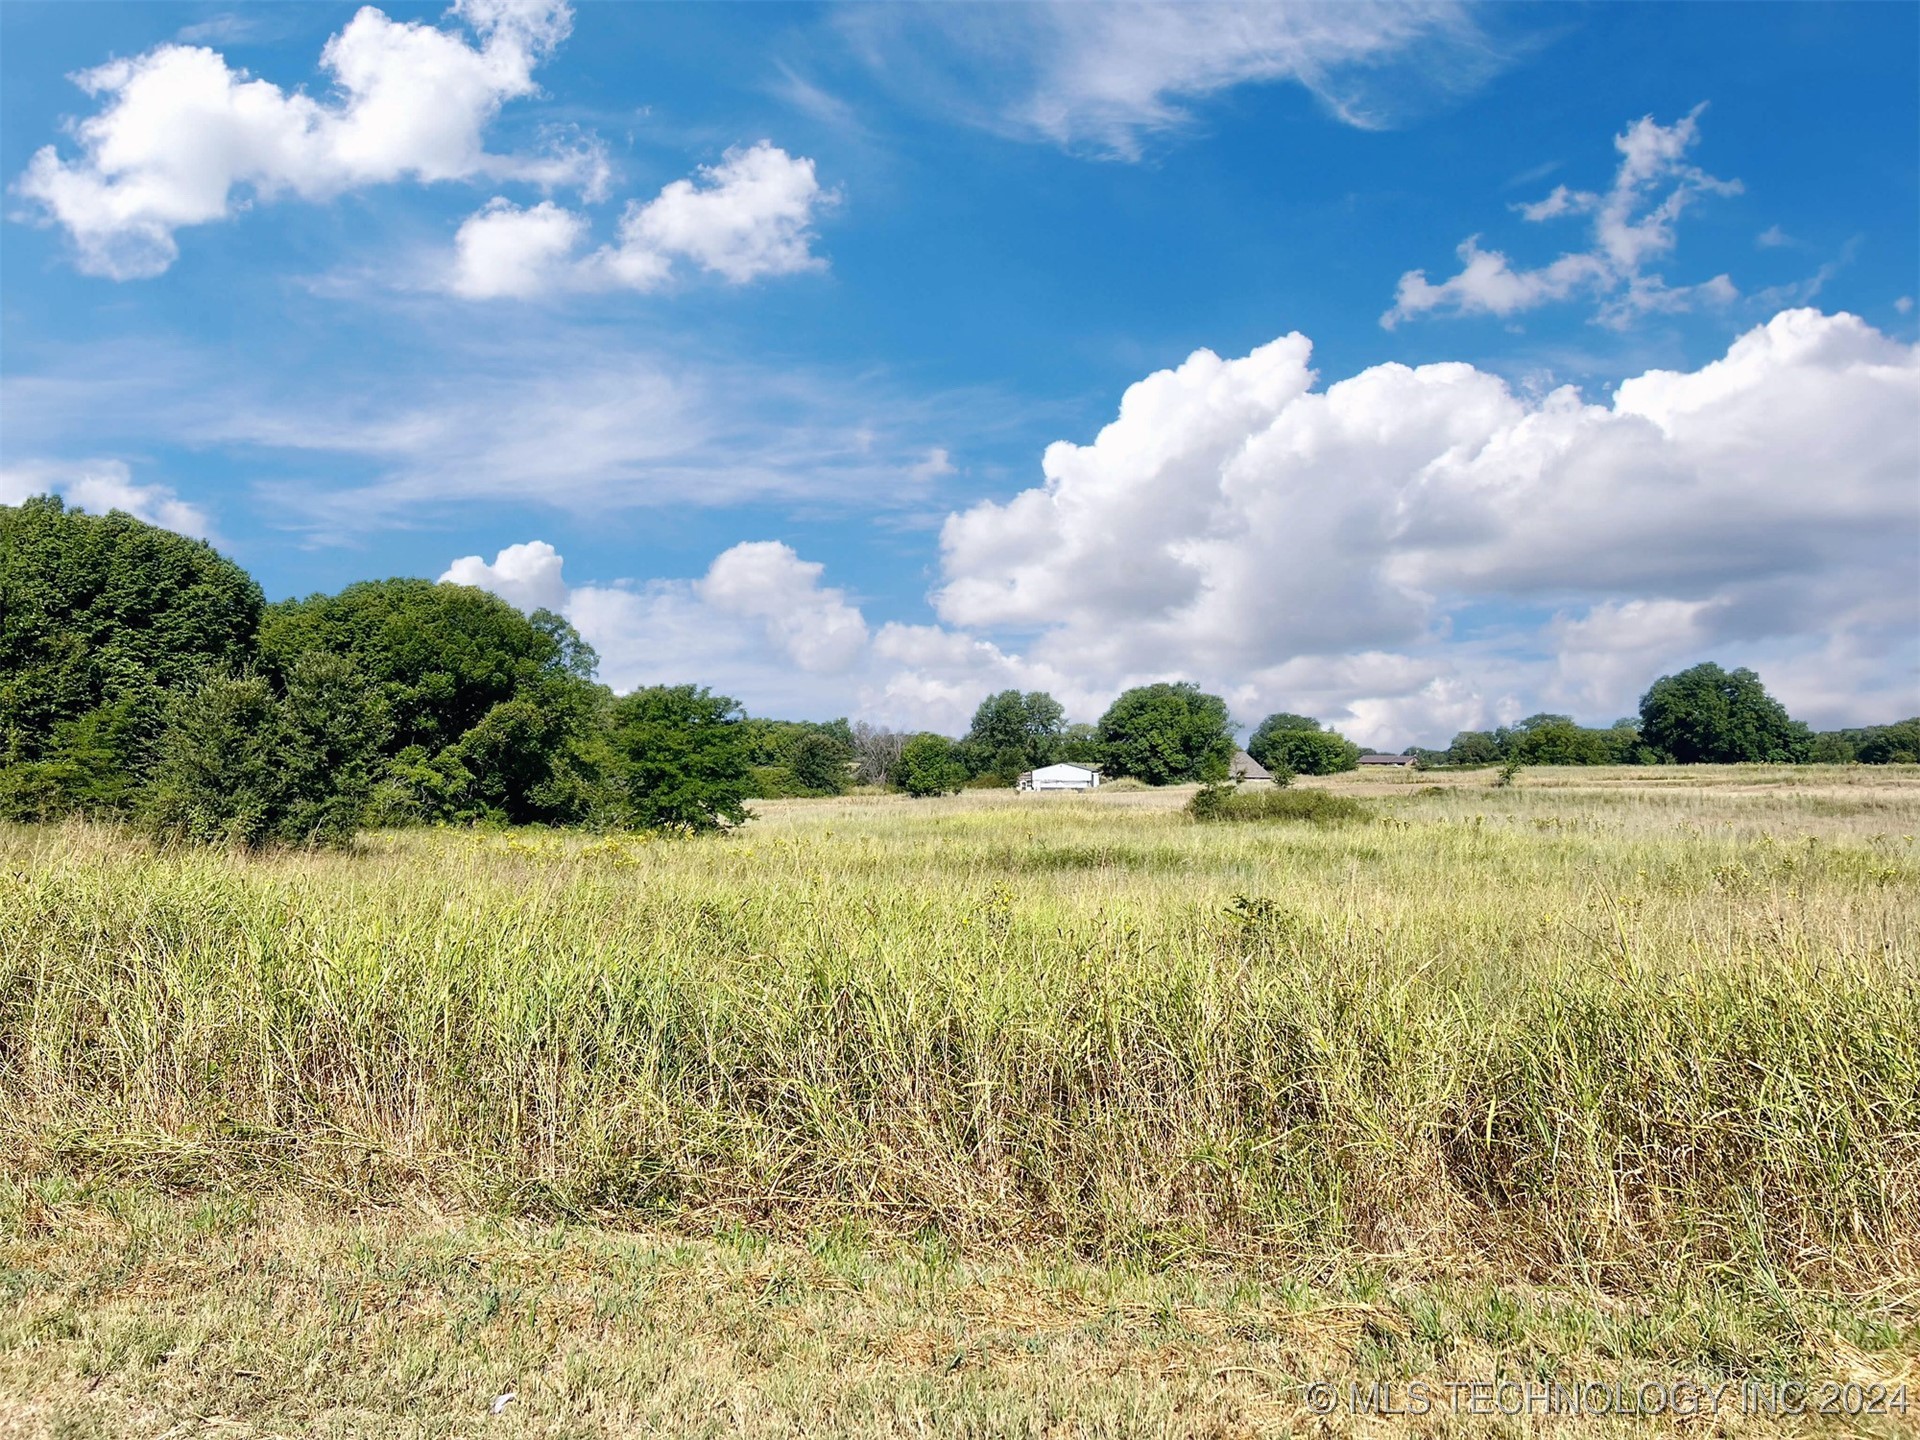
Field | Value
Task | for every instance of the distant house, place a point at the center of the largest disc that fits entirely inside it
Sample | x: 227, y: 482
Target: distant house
x: 1060, y: 777
x: 1386, y: 759
x: 1243, y: 769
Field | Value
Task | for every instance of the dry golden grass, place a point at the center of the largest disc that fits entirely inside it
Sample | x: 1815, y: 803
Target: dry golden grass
x: 136, y: 1313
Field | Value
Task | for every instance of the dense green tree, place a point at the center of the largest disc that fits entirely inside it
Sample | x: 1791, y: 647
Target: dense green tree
x: 1013, y: 732
x: 93, y: 765
x: 1556, y: 740
x: 1080, y: 745
x: 1896, y: 744
x: 1167, y: 734
x: 243, y: 765
x: 442, y: 655
x: 1624, y: 745
x: 1278, y: 721
x: 523, y: 762
x: 219, y: 776
x: 679, y: 759
x: 819, y: 763
x: 1312, y: 752
x: 1832, y: 748
x: 1473, y: 747
x: 1707, y: 715
x: 102, y: 617
x: 1297, y: 744
x: 929, y: 765
x: 774, y: 742
x: 491, y: 709
x: 798, y: 757
x: 333, y: 730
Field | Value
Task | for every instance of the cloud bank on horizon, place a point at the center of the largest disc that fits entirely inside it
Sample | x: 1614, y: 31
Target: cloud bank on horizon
x: 1318, y: 549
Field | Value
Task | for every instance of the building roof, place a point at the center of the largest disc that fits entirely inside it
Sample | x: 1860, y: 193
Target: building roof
x: 1058, y: 766
x: 1386, y: 759
x: 1244, y: 767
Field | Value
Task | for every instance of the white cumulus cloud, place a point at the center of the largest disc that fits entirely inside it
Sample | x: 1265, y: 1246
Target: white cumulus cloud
x: 102, y: 485
x: 1238, y: 525
x: 183, y: 139
x: 1632, y: 225
x: 526, y: 575
x: 1404, y: 553
x: 747, y: 217
x: 811, y: 624
x: 504, y: 250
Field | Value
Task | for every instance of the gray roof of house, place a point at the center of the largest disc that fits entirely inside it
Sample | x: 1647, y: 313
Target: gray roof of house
x: 1248, y: 768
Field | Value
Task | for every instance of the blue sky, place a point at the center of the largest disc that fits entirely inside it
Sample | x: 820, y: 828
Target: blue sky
x: 785, y: 347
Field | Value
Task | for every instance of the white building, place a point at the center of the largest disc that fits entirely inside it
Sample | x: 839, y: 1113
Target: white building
x: 1060, y: 777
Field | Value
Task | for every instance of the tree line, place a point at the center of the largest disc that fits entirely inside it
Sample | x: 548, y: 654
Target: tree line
x: 143, y: 675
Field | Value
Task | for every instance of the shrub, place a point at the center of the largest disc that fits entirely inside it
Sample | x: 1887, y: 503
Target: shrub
x: 1298, y: 744
x: 819, y: 764
x: 773, y: 782
x: 1320, y: 807
x: 243, y: 766
x: 928, y: 766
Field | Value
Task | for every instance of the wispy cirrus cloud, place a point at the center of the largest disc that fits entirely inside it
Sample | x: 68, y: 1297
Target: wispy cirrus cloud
x: 537, y: 413
x: 1104, y: 79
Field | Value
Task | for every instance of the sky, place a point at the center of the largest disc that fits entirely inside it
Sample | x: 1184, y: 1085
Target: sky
x: 1416, y: 367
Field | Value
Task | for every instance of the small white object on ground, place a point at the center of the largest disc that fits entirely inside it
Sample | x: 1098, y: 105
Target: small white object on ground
x: 500, y: 1402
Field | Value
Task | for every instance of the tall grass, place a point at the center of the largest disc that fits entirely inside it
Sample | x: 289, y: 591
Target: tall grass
x: 1214, y: 803
x: 1551, y: 1032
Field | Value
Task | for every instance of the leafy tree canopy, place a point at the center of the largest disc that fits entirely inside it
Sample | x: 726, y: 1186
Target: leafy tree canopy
x: 498, y: 705
x: 1707, y: 715
x: 928, y: 765
x: 442, y: 655
x: 1012, y: 732
x: 680, y: 759
x: 1309, y: 752
x: 1298, y: 744
x: 101, y: 616
x: 1167, y: 734
x: 1556, y: 740
x: 1284, y: 720
x: 1895, y: 744
x: 820, y: 763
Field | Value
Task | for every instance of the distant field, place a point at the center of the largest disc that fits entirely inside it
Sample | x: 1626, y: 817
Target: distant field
x: 997, y: 1114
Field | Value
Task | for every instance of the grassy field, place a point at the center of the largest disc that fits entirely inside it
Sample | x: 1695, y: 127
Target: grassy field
x: 1000, y: 1114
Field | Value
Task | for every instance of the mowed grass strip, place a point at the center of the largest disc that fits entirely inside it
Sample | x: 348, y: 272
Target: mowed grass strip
x: 1580, y: 1030
x: 129, y: 1311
